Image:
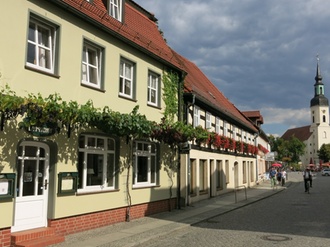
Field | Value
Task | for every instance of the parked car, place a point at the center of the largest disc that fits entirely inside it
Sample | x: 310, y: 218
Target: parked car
x: 326, y: 172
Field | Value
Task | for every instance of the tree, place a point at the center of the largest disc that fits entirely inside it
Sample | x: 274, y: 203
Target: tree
x: 324, y: 152
x: 295, y: 148
x: 276, y: 145
x: 287, y: 150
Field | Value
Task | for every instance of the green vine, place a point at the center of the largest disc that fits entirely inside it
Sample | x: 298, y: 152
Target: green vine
x: 52, y: 110
x: 170, y: 96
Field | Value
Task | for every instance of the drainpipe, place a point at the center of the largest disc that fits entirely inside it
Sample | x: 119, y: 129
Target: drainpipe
x: 257, y: 170
x: 180, y: 105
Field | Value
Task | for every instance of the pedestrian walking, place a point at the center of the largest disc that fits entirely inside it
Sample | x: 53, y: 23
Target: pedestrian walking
x: 283, y: 177
x: 307, y: 175
x: 272, y: 177
x: 279, y: 177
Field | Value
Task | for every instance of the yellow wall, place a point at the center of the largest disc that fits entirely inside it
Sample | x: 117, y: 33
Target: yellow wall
x: 68, y: 85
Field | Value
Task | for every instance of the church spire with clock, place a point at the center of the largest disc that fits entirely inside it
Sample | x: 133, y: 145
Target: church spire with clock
x: 319, y: 106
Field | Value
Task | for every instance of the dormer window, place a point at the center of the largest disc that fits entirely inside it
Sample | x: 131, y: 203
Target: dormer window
x: 115, y: 9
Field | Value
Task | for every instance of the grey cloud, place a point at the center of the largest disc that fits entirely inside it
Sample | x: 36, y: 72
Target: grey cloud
x: 259, y: 53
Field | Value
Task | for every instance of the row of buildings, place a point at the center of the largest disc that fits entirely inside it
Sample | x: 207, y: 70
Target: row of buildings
x: 106, y: 56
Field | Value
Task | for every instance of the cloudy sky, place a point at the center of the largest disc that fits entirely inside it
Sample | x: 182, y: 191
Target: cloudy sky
x: 261, y: 54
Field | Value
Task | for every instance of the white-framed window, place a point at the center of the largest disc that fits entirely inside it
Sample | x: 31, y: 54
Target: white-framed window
x: 225, y: 128
x: 115, y: 9
x: 234, y: 132
x: 145, y: 164
x: 217, y: 125
x: 91, y: 65
x: 96, y: 163
x: 41, y: 45
x: 126, y: 79
x: 153, y: 89
x: 196, y: 116
x: 208, y: 124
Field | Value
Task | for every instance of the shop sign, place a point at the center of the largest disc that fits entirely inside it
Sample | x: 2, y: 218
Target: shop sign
x: 48, y: 129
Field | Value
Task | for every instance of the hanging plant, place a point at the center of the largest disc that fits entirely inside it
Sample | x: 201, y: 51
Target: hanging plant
x: 133, y: 124
x: 10, y: 105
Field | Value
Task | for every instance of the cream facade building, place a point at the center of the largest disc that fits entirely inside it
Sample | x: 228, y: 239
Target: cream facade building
x: 112, y: 54
x: 106, y: 55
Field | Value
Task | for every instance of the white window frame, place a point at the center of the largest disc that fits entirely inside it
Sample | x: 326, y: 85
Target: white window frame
x: 153, y: 88
x: 91, y: 50
x: 217, y: 125
x: 208, y: 124
x: 101, y: 151
x: 146, y: 151
x: 115, y: 9
x: 197, y: 116
x: 225, y: 129
x: 124, y: 78
x: 36, y: 46
x: 234, y: 132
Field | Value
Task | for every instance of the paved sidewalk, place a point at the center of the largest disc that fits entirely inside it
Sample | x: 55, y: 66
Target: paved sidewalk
x: 136, y: 232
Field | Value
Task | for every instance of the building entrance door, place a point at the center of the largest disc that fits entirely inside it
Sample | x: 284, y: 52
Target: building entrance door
x: 32, y: 186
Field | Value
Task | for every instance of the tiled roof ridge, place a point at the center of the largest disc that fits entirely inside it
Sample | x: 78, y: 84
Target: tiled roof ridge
x: 103, y: 18
x: 257, y: 112
x: 301, y: 127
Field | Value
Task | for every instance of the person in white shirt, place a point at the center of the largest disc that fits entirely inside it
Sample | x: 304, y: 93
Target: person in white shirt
x: 283, y: 177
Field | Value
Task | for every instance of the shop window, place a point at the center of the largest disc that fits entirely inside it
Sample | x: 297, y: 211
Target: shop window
x: 202, y: 175
x: 146, y: 171
x: 96, y: 163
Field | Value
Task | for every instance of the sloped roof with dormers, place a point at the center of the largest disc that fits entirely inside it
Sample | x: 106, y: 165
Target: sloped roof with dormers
x: 139, y: 27
x: 254, y: 116
x: 197, y: 83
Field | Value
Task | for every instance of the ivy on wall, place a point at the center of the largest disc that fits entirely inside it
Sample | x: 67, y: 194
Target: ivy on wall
x: 69, y: 116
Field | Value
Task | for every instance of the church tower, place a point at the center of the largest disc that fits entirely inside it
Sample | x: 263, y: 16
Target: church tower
x: 319, y: 107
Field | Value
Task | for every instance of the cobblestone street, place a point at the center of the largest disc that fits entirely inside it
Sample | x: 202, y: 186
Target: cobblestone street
x: 286, y: 216
x: 290, y: 218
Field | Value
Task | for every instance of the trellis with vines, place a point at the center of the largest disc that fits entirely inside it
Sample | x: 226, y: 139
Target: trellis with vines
x: 69, y: 116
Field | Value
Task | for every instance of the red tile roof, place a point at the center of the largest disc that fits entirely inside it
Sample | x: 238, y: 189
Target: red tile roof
x: 197, y: 83
x: 136, y: 27
x: 142, y: 31
x: 302, y: 133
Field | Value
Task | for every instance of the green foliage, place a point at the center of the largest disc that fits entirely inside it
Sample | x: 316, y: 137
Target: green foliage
x: 324, y: 152
x: 133, y: 124
x: 170, y: 95
x: 173, y: 134
x: 53, y: 111
x: 201, y: 135
x: 9, y: 103
x: 287, y: 150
